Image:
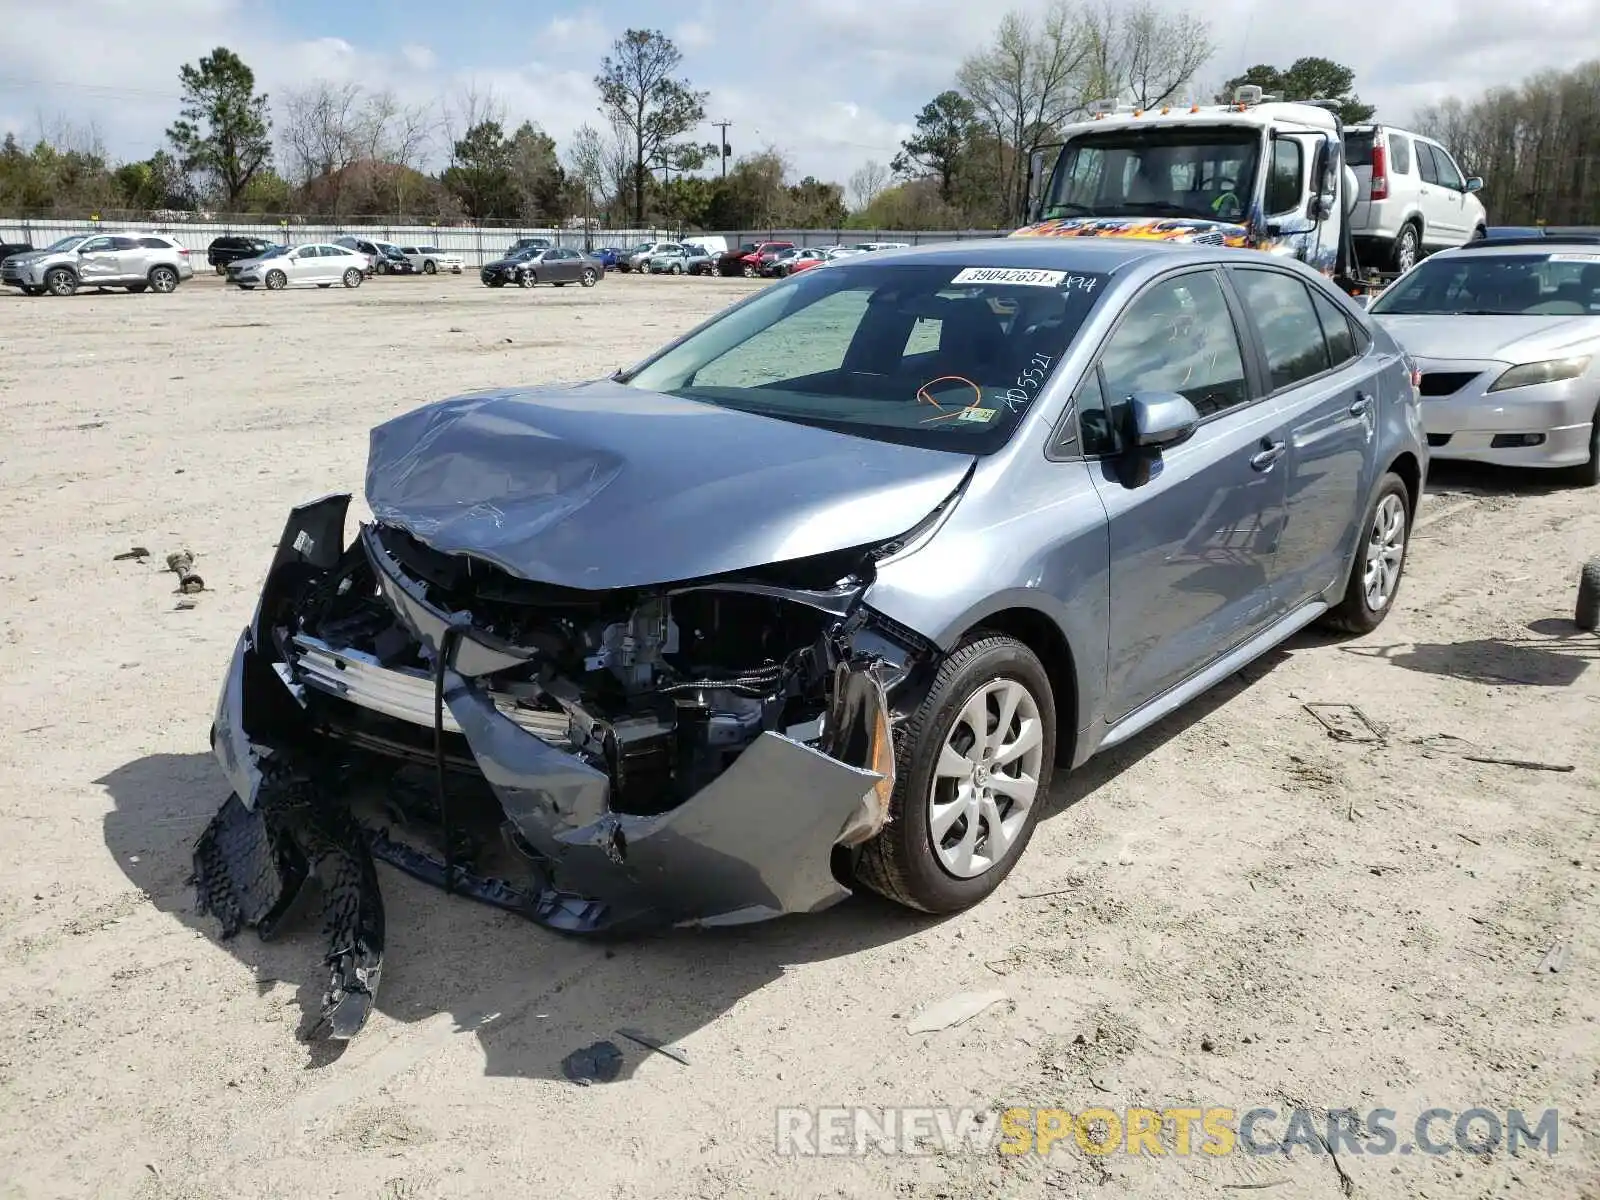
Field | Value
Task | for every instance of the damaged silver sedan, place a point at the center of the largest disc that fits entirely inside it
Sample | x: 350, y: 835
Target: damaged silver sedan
x: 813, y: 598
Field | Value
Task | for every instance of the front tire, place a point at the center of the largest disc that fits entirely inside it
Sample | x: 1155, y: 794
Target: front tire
x: 1588, y: 474
x: 529, y: 280
x: 276, y: 281
x: 61, y: 282
x: 352, y: 278
x: 1587, y: 615
x: 750, y: 272
x: 972, y: 768
x: 1374, y: 582
x: 677, y: 268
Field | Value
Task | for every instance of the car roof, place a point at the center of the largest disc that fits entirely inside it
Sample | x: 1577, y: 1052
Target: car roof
x: 1526, y: 247
x: 1100, y: 255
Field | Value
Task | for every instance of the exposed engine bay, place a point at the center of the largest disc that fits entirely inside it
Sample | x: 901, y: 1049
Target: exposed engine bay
x: 706, y: 752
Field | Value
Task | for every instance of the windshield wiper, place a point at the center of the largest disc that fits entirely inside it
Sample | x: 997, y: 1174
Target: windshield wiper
x: 1056, y: 211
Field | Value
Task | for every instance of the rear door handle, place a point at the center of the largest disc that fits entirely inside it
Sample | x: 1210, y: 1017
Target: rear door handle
x: 1362, y: 404
x: 1270, y: 455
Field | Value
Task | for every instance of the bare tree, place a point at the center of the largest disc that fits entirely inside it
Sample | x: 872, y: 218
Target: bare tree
x: 316, y: 130
x: 618, y: 163
x: 1143, y: 54
x: 867, y: 184
x: 586, y: 163
x: 1536, y: 146
x: 1025, y: 84
x: 469, y: 108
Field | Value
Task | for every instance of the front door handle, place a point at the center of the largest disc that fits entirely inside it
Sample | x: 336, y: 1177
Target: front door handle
x: 1362, y: 404
x: 1272, y: 452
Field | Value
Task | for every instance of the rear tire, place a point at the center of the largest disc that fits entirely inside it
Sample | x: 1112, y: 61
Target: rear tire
x: 903, y: 862
x: 750, y: 272
x: 590, y: 277
x: 428, y: 268
x: 1587, y: 615
x: 163, y: 280
x: 33, y: 290
x: 221, y: 268
x: 1407, y: 248
x: 353, y: 278
x: 1380, y: 561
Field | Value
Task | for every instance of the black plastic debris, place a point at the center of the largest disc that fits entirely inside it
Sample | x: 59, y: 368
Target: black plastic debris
x: 599, y: 1063
x: 250, y: 865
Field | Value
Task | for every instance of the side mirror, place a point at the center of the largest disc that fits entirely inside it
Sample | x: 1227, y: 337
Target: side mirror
x: 1162, y: 419
x: 1474, y: 184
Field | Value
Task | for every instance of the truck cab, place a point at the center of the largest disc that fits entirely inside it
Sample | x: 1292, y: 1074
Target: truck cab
x: 1259, y: 175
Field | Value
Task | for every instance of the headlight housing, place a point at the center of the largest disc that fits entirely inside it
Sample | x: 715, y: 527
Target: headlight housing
x: 1551, y: 370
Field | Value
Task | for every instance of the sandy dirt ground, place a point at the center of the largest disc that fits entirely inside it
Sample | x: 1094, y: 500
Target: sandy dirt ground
x: 1236, y: 910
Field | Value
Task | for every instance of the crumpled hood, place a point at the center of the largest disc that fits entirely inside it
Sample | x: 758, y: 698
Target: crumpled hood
x: 1159, y: 229
x: 600, y: 485
x: 1499, y: 339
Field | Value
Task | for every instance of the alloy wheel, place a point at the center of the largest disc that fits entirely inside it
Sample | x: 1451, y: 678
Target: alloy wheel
x: 986, y: 779
x: 1386, y: 548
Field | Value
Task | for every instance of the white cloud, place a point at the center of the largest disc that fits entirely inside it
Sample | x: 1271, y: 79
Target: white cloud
x: 694, y: 35
x: 875, y: 61
x: 580, y: 32
x: 419, y: 58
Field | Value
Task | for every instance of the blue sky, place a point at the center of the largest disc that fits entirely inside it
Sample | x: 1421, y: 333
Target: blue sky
x: 830, y: 83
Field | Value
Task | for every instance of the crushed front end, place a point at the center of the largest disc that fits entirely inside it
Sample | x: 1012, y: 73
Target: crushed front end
x: 703, y: 752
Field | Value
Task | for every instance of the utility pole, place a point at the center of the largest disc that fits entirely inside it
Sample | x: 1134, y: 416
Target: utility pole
x: 722, y: 148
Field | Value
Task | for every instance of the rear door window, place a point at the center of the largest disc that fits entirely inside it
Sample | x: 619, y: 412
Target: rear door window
x: 1358, y: 148
x: 1338, y: 330
x: 1291, y: 335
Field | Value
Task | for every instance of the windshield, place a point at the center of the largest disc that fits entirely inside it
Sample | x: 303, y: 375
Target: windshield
x: 1503, y: 285
x: 66, y: 243
x: 271, y: 251
x: 936, y: 355
x: 1203, y: 172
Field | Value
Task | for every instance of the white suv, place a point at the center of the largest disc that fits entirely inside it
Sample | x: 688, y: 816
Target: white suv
x: 1413, y: 199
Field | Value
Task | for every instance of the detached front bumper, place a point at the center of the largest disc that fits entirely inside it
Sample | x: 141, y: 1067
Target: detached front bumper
x: 756, y: 842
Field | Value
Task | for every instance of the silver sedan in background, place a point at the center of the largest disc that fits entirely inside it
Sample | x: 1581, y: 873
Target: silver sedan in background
x: 319, y: 265
x: 1506, y: 334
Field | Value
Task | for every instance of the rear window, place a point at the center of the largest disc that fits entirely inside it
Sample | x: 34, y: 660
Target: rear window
x: 1358, y: 148
x: 150, y: 243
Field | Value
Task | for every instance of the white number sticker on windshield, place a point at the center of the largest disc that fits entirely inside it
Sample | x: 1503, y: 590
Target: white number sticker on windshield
x: 1013, y: 275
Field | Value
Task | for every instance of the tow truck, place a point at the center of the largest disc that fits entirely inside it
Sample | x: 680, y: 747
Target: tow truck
x: 1256, y: 173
